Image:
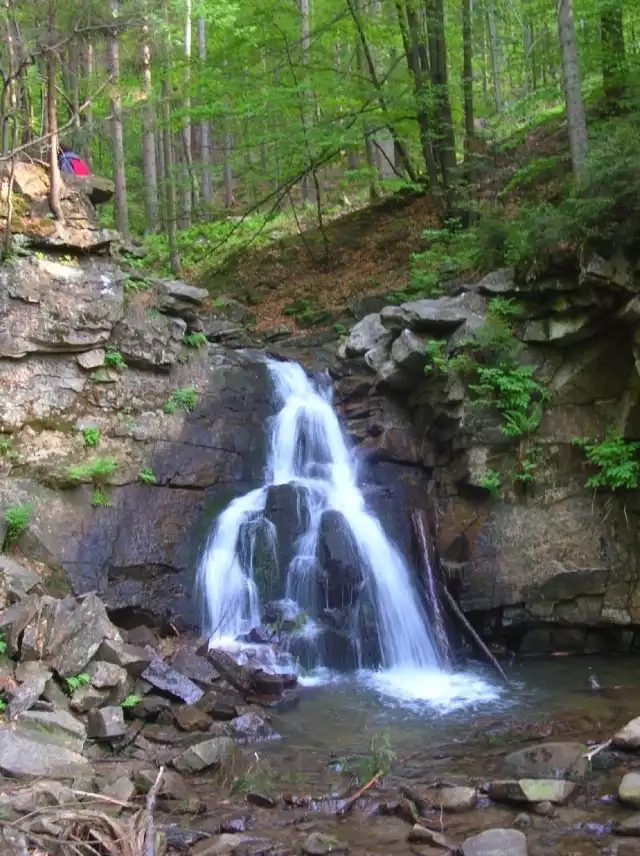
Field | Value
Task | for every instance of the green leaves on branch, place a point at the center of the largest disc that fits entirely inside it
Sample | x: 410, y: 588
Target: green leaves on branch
x: 616, y: 459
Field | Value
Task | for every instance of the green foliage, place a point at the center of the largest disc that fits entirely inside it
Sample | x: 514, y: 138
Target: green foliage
x: 3, y: 705
x: 5, y: 446
x: 100, y: 377
x: 185, y: 398
x: 195, y: 340
x: 99, y: 498
x: 17, y: 518
x: 527, y: 467
x: 147, y: 476
x: 379, y: 760
x: 341, y: 329
x: 99, y: 470
x: 133, y: 284
x: 3, y: 644
x: 77, y: 682
x: 91, y: 436
x: 306, y: 313
x: 437, y: 356
x: 616, y: 459
x: 491, y: 481
x: 114, y: 359
x: 452, y: 253
x: 537, y: 170
x: 131, y: 701
x: 514, y: 392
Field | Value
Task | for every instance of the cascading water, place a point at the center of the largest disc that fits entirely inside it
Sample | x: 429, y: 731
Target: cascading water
x: 369, y: 596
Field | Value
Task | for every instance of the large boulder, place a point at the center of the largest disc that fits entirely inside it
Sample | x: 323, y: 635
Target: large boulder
x: 439, y: 317
x: 628, y: 737
x: 629, y: 790
x: 287, y: 510
x: 147, y: 340
x: 549, y: 761
x: 49, y: 306
x: 79, y: 638
x: 339, y: 560
x: 556, y: 791
x: 25, y: 753
x: 367, y: 334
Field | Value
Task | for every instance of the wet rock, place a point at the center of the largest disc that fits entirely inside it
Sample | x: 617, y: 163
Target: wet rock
x: 88, y: 698
x: 162, y: 676
x: 25, y: 754
x: 273, y: 539
x: 222, y: 845
x: 367, y: 334
x: 500, y: 281
x: 340, y: 561
x: 107, y: 675
x: 190, y: 718
x: 59, y: 725
x: 151, y: 706
x: 555, y: 791
x: 629, y: 790
x: 628, y: 826
x: 522, y: 821
x: 574, y: 327
x: 148, y: 342
x: 548, y: 761
x: 194, y: 667
x: 318, y: 844
x: 496, y: 842
x: 251, y: 727
x: 202, y: 756
x: 421, y: 835
x: 15, y: 581
x: 259, y: 800
x: 106, y: 723
x: 629, y: 736
x: 27, y: 694
x: 132, y: 658
x: 78, y: 641
x: 455, y: 799
x: 179, y: 838
x: 121, y: 789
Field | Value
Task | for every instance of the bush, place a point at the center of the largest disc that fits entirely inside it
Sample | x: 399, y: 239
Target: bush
x: 616, y: 459
x: 99, y: 470
x: 147, y: 476
x: 91, y: 436
x: 195, y: 340
x: 17, y: 518
x: 114, y: 359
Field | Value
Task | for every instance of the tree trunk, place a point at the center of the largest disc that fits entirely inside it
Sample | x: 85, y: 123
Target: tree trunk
x: 55, y: 181
x: 439, y: 80
x: 614, y: 66
x: 205, y: 130
x: 121, y: 209
x: 308, y: 186
x: 89, y: 110
x: 186, y: 174
x: 148, y: 140
x: 169, y: 185
x: 467, y: 81
x: 495, y: 57
x: 227, y: 149
x: 578, y: 139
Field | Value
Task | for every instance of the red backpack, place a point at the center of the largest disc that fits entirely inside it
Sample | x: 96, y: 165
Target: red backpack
x: 80, y: 167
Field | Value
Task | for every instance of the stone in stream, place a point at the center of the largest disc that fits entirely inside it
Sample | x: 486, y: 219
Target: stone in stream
x: 25, y: 754
x: 318, y: 844
x: 106, y: 723
x: 548, y: 761
x: 209, y: 753
x: 496, y: 842
x: 628, y: 826
x: 455, y: 799
x: 555, y: 791
x: 629, y: 736
x: 421, y: 835
x: 629, y: 790
x: 164, y: 678
x: 221, y: 845
x: 259, y: 800
x: 251, y: 727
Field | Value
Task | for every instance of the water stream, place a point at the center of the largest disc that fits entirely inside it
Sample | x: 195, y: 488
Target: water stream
x: 368, y: 598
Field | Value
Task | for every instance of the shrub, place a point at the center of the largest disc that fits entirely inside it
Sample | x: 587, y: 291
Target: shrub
x: 91, y: 436
x: 186, y: 398
x: 17, y: 518
x: 491, y: 481
x: 147, y: 476
x: 195, y: 340
x: 77, y: 682
x: 114, y: 359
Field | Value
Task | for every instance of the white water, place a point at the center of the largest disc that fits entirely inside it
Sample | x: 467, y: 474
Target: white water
x: 310, y: 450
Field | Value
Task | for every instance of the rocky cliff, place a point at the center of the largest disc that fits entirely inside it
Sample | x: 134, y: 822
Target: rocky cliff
x: 546, y: 564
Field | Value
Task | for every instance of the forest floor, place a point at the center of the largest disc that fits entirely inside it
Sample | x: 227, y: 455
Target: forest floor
x: 368, y: 252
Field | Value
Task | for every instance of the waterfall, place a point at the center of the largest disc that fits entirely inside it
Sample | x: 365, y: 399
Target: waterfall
x: 343, y: 569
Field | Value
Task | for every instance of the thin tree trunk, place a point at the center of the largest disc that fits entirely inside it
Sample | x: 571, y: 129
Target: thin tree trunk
x: 467, y: 81
x: 495, y: 57
x: 74, y: 83
x: 308, y: 186
x: 89, y: 110
x: 438, y: 65
x: 227, y: 149
x: 186, y: 174
x: 205, y: 130
x: 121, y: 209
x: 9, y: 100
x: 55, y: 182
x: 614, y: 67
x: 148, y: 140
x: 170, y: 187
x: 578, y: 138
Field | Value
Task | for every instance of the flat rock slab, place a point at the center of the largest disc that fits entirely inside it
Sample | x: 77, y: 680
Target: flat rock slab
x: 629, y: 736
x: 496, y: 842
x: 548, y: 761
x: 629, y: 790
x: 163, y: 677
x: 59, y: 725
x: 25, y: 754
x: 209, y: 753
x: 555, y: 791
x: 455, y: 799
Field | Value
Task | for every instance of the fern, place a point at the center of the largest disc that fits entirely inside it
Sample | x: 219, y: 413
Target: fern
x: 185, y: 398
x: 77, y: 682
x: 147, y: 476
x: 195, y: 340
x: 616, y: 459
x: 91, y: 436
x: 131, y: 701
x: 114, y: 359
x: 491, y: 481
